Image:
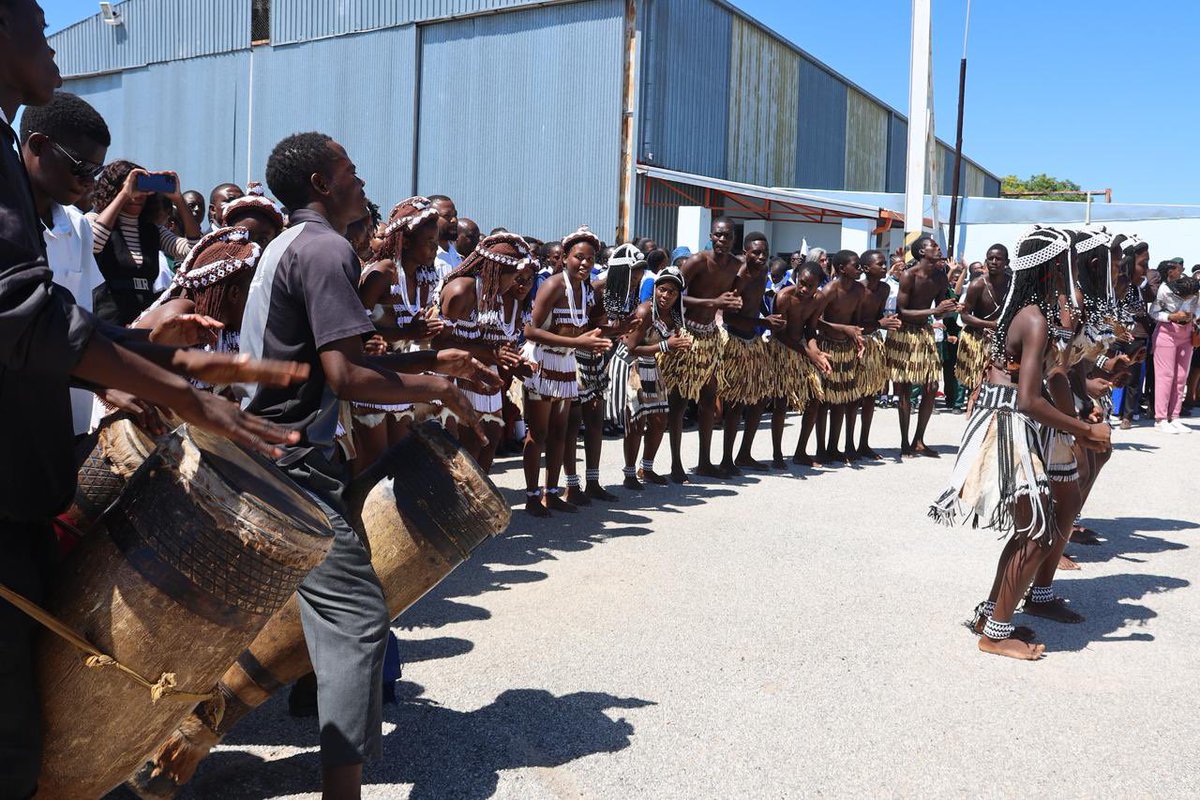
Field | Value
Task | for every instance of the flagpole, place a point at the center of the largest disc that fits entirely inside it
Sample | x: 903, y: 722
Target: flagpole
x: 918, y: 122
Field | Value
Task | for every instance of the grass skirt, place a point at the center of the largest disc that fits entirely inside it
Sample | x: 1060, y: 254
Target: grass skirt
x: 841, y: 385
x: 999, y: 460
x: 912, y: 356
x: 745, y: 375
x: 872, y: 372
x: 795, y: 377
x: 689, y: 371
x: 973, y: 347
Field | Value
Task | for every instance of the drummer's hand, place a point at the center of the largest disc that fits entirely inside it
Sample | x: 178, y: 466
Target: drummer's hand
x: 186, y: 330
x: 462, y: 364
x: 222, y: 368
x: 145, y: 414
x: 220, y: 416
x: 453, y: 399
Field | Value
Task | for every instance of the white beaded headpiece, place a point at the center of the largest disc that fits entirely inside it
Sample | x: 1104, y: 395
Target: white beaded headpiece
x: 583, y: 234
x: 254, y: 198
x: 1057, y: 244
x: 1097, y: 237
x: 192, y: 277
x: 626, y: 255
x: 422, y: 210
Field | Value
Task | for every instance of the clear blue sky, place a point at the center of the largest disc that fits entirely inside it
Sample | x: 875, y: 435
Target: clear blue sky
x: 1102, y: 92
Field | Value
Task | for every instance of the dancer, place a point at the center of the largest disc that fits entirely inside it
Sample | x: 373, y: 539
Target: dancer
x: 873, y: 371
x: 912, y: 350
x: 657, y: 330
x: 980, y: 307
x: 1000, y: 477
x: 744, y: 379
x: 619, y: 284
x: 798, y: 361
x: 692, y: 374
x: 397, y: 290
x: 841, y: 340
x: 479, y: 320
x: 560, y: 325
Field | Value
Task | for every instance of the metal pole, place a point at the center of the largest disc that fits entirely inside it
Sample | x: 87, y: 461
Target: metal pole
x: 918, y: 122
x: 955, y: 181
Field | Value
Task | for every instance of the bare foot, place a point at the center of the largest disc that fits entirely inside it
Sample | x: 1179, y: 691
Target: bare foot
x: 746, y: 462
x: 708, y: 471
x: 631, y: 482
x: 597, y: 492
x: 922, y: 450
x: 777, y: 462
x: 679, y: 475
x: 650, y: 476
x: 1012, y: 648
x: 534, y: 507
x: 852, y: 455
x: 728, y: 469
x: 804, y: 460
x: 1064, y: 562
x: 907, y: 452
x: 835, y: 457
x: 576, y: 497
x: 869, y: 454
x: 556, y: 503
x: 1082, y: 535
x: 1022, y: 633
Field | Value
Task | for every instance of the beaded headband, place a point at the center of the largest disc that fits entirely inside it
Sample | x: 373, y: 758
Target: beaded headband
x: 1057, y: 244
x: 672, y: 275
x: 486, y: 245
x: 254, y: 198
x: 584, y: 234
x: 422, y: 209
x: 1130, y: 242
x: 190, y: 276
x: 626, y: 255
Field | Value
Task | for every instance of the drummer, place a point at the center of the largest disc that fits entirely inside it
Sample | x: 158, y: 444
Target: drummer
x: 303, y: 304
x: 45, y: 340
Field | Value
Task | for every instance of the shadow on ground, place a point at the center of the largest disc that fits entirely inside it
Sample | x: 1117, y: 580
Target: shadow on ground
x: 1126, y: 538
x: 1109, y: 603
x: 440, y: 752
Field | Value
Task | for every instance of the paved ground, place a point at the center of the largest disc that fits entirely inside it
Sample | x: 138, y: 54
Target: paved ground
x: 784, y: 636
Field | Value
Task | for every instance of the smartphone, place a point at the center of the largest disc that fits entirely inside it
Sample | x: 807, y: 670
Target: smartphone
x: 156, y: 183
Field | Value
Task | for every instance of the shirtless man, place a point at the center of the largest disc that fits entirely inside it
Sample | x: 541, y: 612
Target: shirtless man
x: 798, y: 360
x: 692, y: 374
x: 873, y: 373
x: 911, y: 350
x: 979, y: 315
x: 744, y: 382
x: 841, y: 339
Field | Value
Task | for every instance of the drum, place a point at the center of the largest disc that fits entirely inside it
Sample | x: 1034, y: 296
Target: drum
x: 120, y: 449
x: 428, y: 507
x: 204, y: 545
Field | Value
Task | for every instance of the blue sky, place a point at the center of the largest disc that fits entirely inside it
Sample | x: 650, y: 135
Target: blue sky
x: 1102, y: 92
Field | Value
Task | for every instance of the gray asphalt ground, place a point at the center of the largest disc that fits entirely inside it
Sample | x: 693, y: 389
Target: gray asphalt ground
x: 786, y: 635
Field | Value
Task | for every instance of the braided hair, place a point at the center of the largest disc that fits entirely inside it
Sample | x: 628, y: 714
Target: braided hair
x: 487, y: 263
x: 617, y: 289
x: 1095, y: 283
x: 1035, y: 270
x: 406, y: 217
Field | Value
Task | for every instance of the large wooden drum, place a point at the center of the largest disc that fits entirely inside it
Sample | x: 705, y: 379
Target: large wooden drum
x: 204, y: 545
x: 430, y: 507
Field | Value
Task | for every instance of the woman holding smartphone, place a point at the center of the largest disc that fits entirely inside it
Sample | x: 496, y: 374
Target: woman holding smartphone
x: 1174, y: 310
x: 128, y: 240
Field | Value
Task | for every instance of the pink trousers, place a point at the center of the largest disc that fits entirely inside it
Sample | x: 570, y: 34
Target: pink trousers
x: 1172, y: 360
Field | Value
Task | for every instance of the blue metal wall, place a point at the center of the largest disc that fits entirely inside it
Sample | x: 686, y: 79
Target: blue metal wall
x: 684, y: 95
x: 821, y: 139
x: 991, y: 186
x: 531, y: 140
x: 359, y: 89
x: 897, y: 153
x: 189, y: 116
x: 153, y: 31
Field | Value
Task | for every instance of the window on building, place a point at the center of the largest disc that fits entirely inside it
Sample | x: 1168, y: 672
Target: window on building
x: 260, y: 21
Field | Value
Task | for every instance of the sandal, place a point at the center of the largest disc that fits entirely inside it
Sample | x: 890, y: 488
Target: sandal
x: 1085, y: 536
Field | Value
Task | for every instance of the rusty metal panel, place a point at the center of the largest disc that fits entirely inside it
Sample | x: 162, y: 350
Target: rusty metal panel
x: 764, y: 82
x: 866, y: 143
x: 684, y: 87
x: 821, y: 132
x: 152, y: 31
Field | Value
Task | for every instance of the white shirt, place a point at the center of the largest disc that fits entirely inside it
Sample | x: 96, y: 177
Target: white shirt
x: 1167, y: 303
x: 446, y: 262
x: 889, y: 306
x: 69, y: 251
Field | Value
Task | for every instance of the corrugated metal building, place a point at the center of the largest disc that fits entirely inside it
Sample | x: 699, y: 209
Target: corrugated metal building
x: 515, y: 108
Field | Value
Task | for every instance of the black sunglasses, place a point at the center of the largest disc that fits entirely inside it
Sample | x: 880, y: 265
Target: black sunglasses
x: 84, y: 170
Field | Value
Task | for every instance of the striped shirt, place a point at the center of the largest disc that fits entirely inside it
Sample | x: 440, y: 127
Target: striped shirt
x: 174, y: 247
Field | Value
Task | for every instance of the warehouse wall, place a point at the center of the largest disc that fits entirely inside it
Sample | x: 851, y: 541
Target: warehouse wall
x: 520, y: 145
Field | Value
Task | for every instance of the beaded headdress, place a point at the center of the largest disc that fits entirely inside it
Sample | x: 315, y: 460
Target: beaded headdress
x: 253, y: 199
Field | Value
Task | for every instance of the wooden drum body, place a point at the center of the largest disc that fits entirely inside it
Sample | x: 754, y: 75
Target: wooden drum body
x: 203, y: 546
x: 428, y: 507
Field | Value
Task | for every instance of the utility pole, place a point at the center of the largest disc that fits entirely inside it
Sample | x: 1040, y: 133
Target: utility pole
x: 919, y: 103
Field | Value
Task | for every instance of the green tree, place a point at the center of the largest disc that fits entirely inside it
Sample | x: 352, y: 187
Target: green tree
x: 1041, y: 183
